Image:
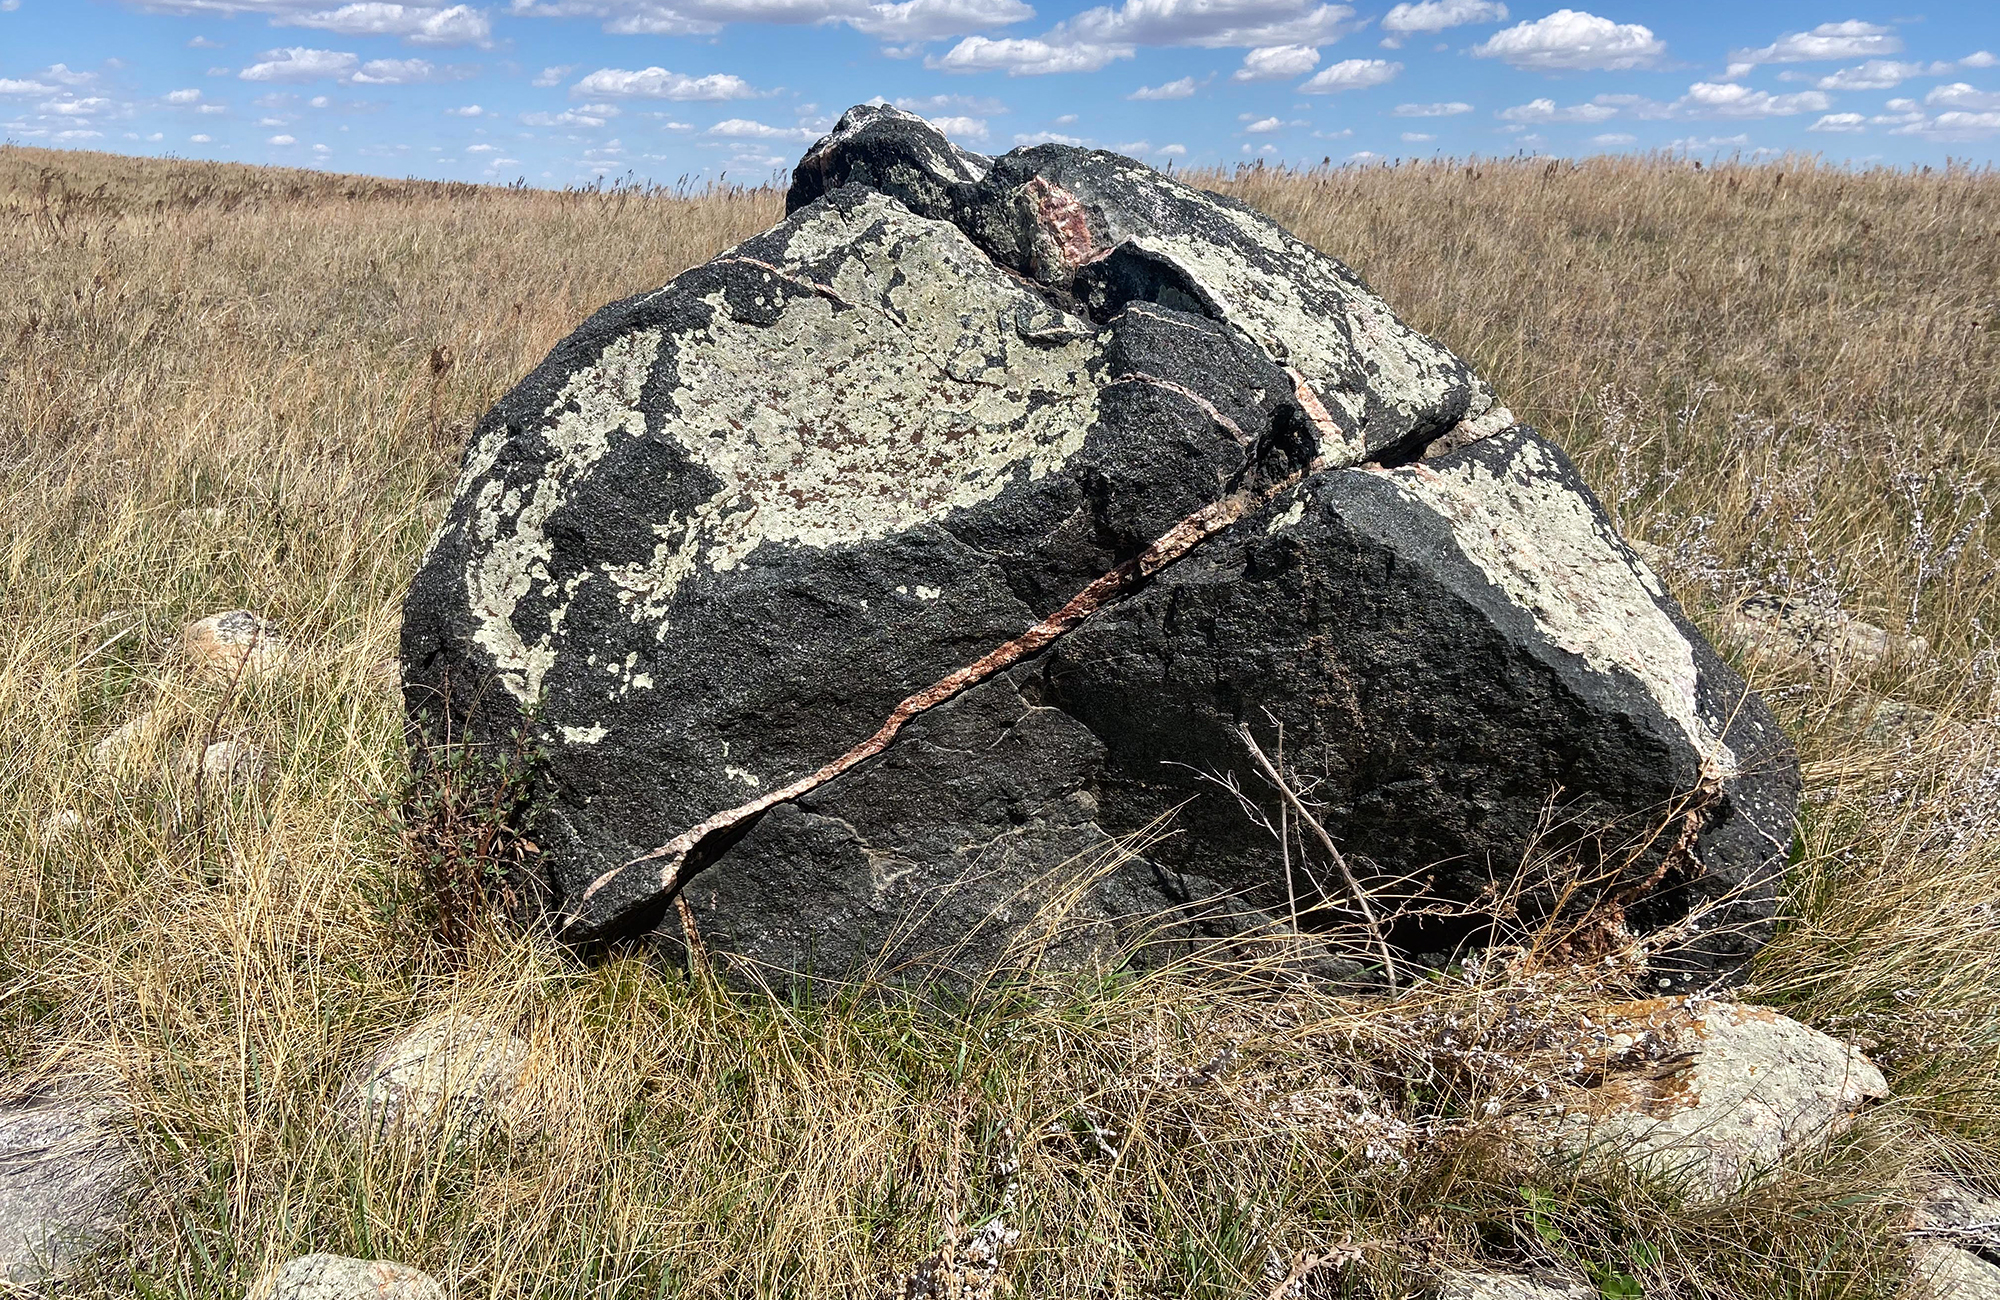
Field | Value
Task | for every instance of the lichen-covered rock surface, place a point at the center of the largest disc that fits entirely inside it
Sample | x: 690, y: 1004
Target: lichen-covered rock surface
x: 338, y: 1277
x: 1713, y: 1095
x: 450, y: 1075
x: 852, y: 582
x: 67, y: 1179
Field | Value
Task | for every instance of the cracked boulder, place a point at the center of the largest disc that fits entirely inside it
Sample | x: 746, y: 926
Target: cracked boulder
x: 899, y: 573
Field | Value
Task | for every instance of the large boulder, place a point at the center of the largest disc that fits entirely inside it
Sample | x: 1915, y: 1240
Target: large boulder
x: 947, y: 532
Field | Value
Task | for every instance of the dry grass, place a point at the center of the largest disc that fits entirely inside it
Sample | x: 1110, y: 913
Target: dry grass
x: 225, y: 386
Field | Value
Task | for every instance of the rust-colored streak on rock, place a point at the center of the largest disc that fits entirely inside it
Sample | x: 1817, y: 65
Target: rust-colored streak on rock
x: 797, y: 281
x: 1058, y: 212
x: 1181, y: 390
x: 1169, y: 547
x: 1329, y: 434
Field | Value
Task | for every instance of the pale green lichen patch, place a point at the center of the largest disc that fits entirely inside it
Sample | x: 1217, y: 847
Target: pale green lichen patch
x: 598, y: 403
x: 1292, y: 316
x: 1538, y: 540
x: 899, y: 389
x: 839, y: 424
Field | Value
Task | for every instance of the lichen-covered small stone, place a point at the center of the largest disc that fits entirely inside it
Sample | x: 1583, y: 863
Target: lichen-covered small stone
x: 235, y: 764
x: 449, y: 1075
x: 67, y: 1179
x: 338, y: 1277
x: 1711, y: 1094
x: 235, y: 645
x: 1461, y: 1284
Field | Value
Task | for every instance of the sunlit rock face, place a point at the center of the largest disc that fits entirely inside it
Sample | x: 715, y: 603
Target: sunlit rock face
x: 946, y: 533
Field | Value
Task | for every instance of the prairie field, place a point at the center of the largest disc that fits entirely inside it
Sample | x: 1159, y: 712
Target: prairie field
x: 225, y: 387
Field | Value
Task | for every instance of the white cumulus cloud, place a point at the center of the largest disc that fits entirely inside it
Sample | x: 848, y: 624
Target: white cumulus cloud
x: 658, y: 83
x: 1960, y: 95
x: 1179, y: 89
x: 1546, y: 110
x: 298, y: 63
x: 418, y: 24
x: 1277, y: 62
x: 405, y: 72
x: 898, y: 20
x: 1572, y: 40
x: 183, y: 96
x: 1840, y: 122
x: 1845, y: 40
x: 961, y: 127
x: 1213, y: 24
x: 586, y: 115
x: 742, y: 128
x: 1876, y: 74
x: 1436, y: 15
x: 1351, y: 74
x: 1452, y: 109
x: 929, y: 20
x: 1020, y: 57
x: 1727, y: 99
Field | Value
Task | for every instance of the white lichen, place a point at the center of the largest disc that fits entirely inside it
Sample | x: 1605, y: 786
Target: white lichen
x: 1541, y: 543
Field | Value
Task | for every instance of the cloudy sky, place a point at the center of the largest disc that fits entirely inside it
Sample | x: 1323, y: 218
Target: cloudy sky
x: 561, y: 91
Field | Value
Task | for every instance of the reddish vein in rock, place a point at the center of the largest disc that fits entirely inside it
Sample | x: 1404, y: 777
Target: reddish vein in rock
x: 1169, y: 547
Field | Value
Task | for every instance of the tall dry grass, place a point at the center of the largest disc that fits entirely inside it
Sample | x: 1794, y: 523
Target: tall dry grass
x: 228, y: 386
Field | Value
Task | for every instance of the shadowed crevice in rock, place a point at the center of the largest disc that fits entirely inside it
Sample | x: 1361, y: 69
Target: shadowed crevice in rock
x: 746, y: 548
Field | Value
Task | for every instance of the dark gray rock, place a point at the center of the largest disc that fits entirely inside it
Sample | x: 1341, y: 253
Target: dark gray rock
x: 946, y: 532
x: 67, y: 1178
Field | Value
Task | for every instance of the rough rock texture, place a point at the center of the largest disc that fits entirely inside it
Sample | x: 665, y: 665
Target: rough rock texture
x: 1956, y: 1245
x: 1510, y: 1286
x: 1799, y: 629
x: 1710, y: 1092
x: 853, y: 581
x: 118, y: 748
x: 236, y: 763
x: 337, y: 1277
x: 448, y: 1075
x: 66, y: 1179
x: 235, y: 645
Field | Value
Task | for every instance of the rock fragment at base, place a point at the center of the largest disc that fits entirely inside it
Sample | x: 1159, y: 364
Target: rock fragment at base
x: 67, y: 1181
x: 338, y: 1277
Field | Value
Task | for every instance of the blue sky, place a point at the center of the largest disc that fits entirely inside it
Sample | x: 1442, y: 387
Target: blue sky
x: 563, y: 91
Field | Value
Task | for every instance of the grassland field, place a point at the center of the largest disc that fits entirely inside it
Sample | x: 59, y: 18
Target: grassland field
x: 224, y: 386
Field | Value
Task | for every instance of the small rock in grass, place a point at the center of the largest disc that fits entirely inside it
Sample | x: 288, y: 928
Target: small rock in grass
x: 1894, y: 723
x: 235, y: 645
x: 1799, y: 629
x: 62, y: 823
x: 1713, y: 1093
x: 1461, y: 1285
x: 120, y: 742
x: 451, y: 1074
x: 337, y: 1277
x: 66, y: 1180
x: 1956, y: 1246
x: 236, y: 764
